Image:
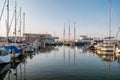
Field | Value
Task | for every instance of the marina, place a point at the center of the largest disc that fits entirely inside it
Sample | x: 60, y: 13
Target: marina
x: 32, y: 49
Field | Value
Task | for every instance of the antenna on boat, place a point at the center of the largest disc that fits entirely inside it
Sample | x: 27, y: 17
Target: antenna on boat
x: 110, y: 16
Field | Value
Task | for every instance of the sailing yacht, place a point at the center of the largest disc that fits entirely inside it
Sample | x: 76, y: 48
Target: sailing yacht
x: 108, y: 44
x: 13, y: 50
x: 4, y: 54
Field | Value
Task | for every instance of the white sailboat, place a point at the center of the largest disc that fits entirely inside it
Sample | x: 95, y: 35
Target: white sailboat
x: 4, y: 54
x: 108, y: 44
x: 13, y: 50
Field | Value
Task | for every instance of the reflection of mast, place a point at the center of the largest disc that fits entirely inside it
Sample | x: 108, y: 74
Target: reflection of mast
x: 21, y: 71
x: 69, y: 55
x: 109, y: 71
x: 9, y: 75
x: 24, y: 71
x: 64, y: 53
x: 16, y: 73
x: 14, y: 67
x: 74, y: 56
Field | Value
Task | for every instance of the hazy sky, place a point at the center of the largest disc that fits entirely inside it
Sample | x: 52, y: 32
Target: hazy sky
x: 48, y: 16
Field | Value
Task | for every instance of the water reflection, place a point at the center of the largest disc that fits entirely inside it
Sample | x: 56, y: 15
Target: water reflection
x: 12, y: 70
x: 48, y: 49
x: 74, y: 56
x: 64, y: 54
x: 82, y: 49
x: 4, y: 68
x: 106, y: 57
x: 67, y: 54
x: 62, y: 63
x: 109, y: 59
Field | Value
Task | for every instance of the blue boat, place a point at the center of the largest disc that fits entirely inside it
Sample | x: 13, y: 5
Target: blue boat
x: 13, y: 50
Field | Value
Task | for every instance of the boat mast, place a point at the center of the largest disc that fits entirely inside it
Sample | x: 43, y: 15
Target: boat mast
x: 15, y: 20
x: 7, y: 20
x: 69, y: 31
x: 74, y: 31
x: 110, y: 16
x: 24, y: 25
x: 64, y: 33
x: 20, y: 22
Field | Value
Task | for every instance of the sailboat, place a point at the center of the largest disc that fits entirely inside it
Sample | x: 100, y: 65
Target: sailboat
x: 108, y: 44
x: 12, y: 49
x: 4, y: 54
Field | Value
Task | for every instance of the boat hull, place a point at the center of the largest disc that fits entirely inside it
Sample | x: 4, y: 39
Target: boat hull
x: 5, y: 59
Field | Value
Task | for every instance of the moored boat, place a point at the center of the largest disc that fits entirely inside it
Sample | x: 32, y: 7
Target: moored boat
x: 13, y: 50
x: 4, y: 56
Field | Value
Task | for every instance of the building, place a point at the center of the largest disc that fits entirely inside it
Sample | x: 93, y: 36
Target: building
x: 31, y: 37
x: 41, y: 37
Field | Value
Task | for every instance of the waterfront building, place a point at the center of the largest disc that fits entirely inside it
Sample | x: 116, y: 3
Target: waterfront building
x: 43, y: 38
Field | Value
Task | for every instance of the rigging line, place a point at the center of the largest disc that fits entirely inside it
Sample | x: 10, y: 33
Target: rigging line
x: 20, y: 21
x: 2, y: 10
x: 117, y: 32
x: 18, y: 18
x: 11, y: 22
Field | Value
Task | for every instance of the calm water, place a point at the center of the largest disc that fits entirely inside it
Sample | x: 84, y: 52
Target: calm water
x: 62, y: 63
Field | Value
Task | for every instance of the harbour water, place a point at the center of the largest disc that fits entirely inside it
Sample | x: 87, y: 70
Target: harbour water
x: 62, y: 63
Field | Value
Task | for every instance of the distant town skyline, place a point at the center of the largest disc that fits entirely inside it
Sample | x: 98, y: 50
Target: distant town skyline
x: 49, y: 16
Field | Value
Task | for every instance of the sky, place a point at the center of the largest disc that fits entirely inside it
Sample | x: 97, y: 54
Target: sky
x: 49, y: 16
